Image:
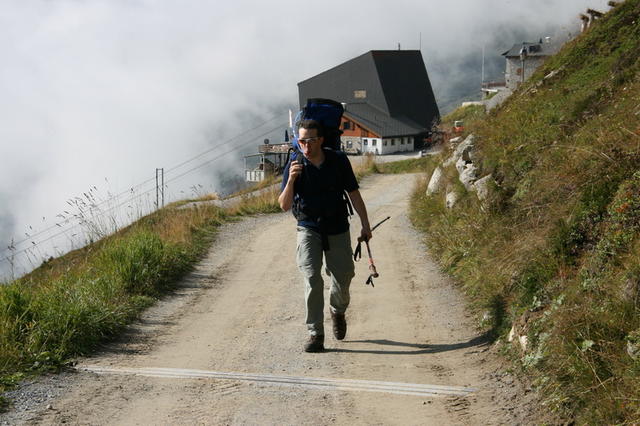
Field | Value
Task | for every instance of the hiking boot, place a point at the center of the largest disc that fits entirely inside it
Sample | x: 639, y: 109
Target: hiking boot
x: 314, y: 344
x: 339, y: 325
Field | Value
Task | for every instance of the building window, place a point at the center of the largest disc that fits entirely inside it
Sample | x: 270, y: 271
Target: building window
x: 384, y: 143
x: 360, y: 94
x: 393, y: 141
x: 375, y: 142
x: 365, y: 142
x: 402, y: 141
x: 346, y: 125
x: 349, y: 144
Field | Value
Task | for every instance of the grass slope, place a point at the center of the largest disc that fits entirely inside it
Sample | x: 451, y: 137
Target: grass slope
x: 556, y: 251
x: 71, y: 304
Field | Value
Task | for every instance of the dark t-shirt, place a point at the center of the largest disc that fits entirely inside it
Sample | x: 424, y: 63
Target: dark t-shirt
x: 318, y: 192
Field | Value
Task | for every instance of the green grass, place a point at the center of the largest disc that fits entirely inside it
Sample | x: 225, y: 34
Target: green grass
x: 412, y: 165
x: 557, y: 245
x: 70, y: 305
x: 469, y: 114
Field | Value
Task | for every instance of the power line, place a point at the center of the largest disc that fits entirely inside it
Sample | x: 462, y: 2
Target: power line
x: 103, y: 213
x: 67, y: 220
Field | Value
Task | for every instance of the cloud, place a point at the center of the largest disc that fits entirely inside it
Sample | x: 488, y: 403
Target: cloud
x: 99, y: 89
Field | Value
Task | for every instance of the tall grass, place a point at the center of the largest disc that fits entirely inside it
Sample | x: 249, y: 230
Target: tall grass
x: 71, y: 304
x: 555, y: 251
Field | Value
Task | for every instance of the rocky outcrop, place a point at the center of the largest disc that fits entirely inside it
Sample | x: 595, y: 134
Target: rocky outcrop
x: 436, y: 181
x: 482, y: 187
x: 463, y: 150
x: 468, y: 173
x: 464, y: 158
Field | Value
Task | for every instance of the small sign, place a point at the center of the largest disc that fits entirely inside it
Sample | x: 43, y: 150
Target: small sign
x: 360, y: 94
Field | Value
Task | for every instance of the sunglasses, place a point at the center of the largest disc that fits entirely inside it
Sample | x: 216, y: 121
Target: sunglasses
x: 308, y: 140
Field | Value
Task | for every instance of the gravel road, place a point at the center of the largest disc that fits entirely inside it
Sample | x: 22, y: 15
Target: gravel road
x: 226, y: 347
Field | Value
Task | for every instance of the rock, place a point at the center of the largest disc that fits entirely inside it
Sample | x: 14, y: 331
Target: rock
x: 633, y: 344
x: 464, y: 150
x: 451, y: 160
x: 468, y: 176
x: 631, y: 290
x: 633, y: 349
x: 455, y: 140
x: 514, y: 336
x: 451, y: 199
x: 460, y: 165
x: 481, y: 187
x: 435, y: 182
x: 523, y: 342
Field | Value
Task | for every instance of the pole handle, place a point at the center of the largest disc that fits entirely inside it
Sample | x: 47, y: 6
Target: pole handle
x: 372, y: 268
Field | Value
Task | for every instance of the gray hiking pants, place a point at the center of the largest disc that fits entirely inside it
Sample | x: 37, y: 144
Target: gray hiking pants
x: 339, y: 261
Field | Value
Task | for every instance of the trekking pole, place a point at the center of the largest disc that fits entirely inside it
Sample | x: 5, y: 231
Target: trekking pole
x: 357, y: 254
x: 372, y: 266
x: 380, y: 223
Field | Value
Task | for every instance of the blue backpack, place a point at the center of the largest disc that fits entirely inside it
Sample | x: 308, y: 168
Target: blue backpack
x: 325, y: 111
x: 329, y: 114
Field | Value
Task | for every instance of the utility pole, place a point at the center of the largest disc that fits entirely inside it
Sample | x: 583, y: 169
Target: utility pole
x: 523, y: 57
x: 482, y: 82
x: 159, y: 187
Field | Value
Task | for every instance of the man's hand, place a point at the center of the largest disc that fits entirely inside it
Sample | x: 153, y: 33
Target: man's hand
x: 286, y: 196
x: 365, y: 233
x: 294, y: 170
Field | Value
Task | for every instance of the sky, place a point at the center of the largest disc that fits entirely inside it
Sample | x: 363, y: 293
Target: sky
x: 97, y: 94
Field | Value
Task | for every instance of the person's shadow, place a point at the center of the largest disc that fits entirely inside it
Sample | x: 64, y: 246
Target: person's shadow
x: 479, y: 341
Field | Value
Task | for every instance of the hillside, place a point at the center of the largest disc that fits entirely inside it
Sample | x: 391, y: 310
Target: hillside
x: 553, y: 253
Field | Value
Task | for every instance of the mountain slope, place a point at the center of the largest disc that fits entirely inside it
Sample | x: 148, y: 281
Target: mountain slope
x: 555, y: 251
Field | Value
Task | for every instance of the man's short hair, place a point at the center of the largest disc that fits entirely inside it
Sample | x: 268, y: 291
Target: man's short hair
x: 311, y: 124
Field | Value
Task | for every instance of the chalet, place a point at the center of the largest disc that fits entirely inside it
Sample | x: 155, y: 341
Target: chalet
x: 389, y: 103
x: 523, y: 59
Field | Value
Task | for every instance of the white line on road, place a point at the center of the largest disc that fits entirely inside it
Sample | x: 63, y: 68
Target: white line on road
x: 309, y: 382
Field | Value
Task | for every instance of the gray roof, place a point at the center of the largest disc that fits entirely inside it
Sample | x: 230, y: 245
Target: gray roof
x: 380, y: 123
x: 533, y: 49
x: 394, y: 84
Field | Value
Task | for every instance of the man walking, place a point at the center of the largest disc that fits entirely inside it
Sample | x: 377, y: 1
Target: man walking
x: 314, y: 186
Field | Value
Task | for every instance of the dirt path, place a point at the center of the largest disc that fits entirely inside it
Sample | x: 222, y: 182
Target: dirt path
x: 241, y: 313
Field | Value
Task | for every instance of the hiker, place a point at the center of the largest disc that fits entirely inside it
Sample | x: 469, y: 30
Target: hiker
x: 313, y: 186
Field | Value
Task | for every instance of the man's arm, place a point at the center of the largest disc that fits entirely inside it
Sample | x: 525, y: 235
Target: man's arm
x: 361, y: 209
x: 286, y: 197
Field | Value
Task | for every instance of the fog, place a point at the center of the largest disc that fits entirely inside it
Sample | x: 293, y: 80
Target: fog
x: 96, y: 94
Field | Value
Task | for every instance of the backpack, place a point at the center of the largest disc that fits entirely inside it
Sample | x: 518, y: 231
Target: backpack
x: 328, y: 113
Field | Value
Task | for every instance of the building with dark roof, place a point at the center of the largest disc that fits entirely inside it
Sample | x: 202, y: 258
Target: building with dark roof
x: 389, y: 102
x: 523, y: 59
